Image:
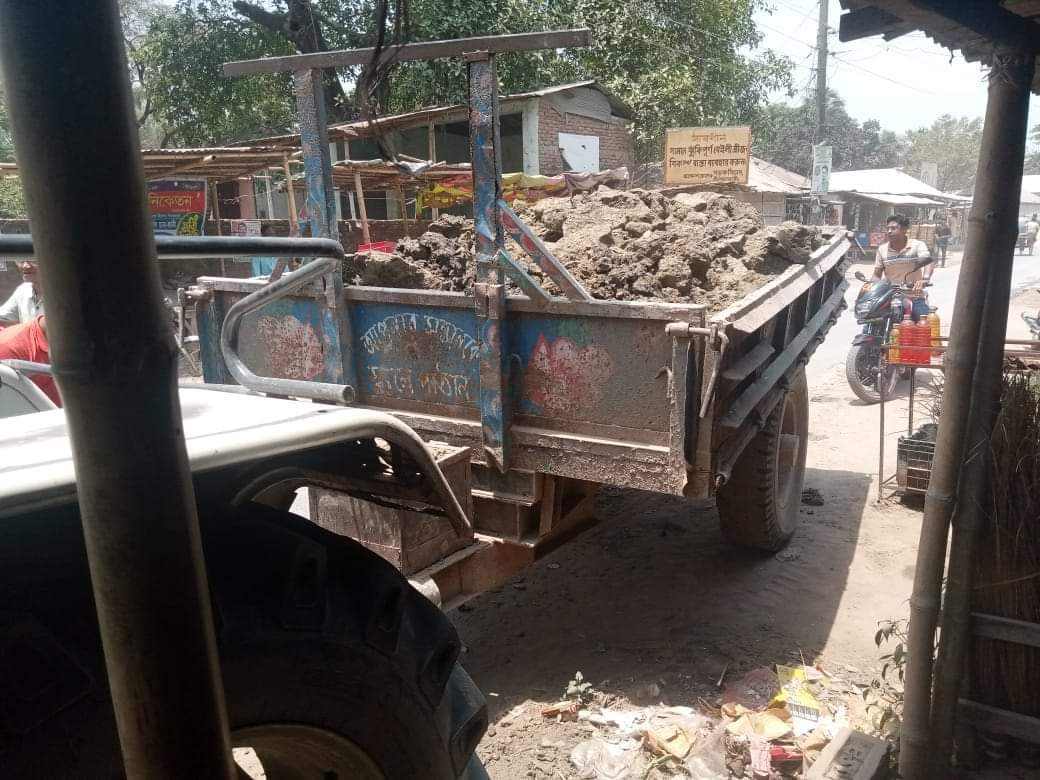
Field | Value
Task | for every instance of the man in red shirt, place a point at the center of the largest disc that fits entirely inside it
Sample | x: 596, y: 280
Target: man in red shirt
x: 28, y: 341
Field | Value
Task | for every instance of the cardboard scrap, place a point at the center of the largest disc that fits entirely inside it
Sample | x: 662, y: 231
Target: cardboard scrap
x: 668, y: 740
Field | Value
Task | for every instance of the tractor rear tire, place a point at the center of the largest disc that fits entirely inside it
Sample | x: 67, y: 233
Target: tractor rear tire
x: 333, y: 666
x: 759, y: 504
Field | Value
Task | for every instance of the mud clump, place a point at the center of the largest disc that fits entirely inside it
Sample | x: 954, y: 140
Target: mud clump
x: 622, y: 245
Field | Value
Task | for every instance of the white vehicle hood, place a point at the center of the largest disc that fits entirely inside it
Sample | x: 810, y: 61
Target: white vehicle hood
x: 221, y: 428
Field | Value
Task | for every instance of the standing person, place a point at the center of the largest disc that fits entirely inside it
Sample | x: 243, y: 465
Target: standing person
x: 25, y: 302
x: 263, y: 266
x: 942, y: 242
x: 28, y: 341
x: 1032, y: 228
x: 896, y: 259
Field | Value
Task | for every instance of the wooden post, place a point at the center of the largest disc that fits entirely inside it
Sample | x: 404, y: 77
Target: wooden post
x: 216, y: 218
x: 431, y: 151
x: 967, y: 398
x: 294, y: 224
x: 360, y: 191
x: 1010, y: 81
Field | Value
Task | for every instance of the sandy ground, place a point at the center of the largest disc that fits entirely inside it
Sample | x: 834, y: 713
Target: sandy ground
x: 653, y: 596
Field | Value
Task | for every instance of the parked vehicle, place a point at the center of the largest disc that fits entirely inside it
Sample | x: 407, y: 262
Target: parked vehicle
x: 353, y: 687
x: 879, y: 305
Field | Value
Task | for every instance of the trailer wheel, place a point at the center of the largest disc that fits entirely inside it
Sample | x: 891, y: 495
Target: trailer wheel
x: 333, y: 667
x: 758, y: 506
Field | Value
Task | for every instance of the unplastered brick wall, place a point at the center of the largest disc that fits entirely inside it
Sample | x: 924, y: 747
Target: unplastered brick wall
x: 615, y: 142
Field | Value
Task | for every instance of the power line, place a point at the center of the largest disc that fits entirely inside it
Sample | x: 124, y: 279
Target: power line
x: 875, y: 74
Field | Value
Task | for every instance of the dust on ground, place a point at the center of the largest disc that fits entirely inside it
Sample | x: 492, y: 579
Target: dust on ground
x: 621, y: 245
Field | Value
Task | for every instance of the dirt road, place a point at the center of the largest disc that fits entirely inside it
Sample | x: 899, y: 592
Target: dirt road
x: 652, y: 596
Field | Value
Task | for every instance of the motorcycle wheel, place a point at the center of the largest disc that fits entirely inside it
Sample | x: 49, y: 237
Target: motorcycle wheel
x: 862, y: 374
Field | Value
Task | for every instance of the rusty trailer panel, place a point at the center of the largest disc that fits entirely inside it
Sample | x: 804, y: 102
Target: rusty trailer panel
x: 590, y: 384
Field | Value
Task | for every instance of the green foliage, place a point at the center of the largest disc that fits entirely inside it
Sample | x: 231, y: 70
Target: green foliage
x: 12, y: 201
x: 675, y: 63
x: 183, y: 52
x: 951, y: 142
x: 884, y: 695
x: 784, y: 135
x: 579, y: 690
x: 1033, y: 157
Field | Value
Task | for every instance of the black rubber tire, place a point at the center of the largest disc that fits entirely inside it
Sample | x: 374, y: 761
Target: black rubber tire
x: 313, y: 630
x: 864, y: 392
x: 759, y: 504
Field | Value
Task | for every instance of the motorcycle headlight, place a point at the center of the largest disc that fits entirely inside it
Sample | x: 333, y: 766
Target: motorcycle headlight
x: 863, y: 307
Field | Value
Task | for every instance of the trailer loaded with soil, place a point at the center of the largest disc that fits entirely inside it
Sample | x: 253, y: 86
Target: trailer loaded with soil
x: 648, y: 341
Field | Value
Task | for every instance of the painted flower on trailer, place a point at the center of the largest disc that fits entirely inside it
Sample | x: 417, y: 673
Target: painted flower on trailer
x: 562, y: 377
x: 294, y: 350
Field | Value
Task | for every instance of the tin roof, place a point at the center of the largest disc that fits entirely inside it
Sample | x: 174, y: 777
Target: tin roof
x: 883, y: 180
x: 219, y: 163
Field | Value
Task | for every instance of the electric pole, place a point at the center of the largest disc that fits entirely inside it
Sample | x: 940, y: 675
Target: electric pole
x: 821, y: 71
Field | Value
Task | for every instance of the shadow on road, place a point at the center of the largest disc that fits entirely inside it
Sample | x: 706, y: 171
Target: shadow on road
x: 654, y: 595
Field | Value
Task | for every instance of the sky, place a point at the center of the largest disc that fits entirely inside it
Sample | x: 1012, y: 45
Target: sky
x: 905, y: 83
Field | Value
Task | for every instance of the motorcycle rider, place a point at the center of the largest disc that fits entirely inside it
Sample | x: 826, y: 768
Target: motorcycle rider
x: 896, y: 258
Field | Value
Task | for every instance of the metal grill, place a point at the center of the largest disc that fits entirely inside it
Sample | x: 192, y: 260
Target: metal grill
x: 914, y: 464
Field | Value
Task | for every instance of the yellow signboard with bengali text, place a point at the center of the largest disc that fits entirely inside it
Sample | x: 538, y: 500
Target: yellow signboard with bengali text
x: 707, y: 155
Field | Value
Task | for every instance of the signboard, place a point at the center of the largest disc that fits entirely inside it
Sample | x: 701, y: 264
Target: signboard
x: 177, y: 206
x: 821, y: 168
x: 707, y: 155
x: 245, y: 227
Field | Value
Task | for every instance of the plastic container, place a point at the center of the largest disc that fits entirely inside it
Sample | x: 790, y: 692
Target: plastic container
x: 893, y: 340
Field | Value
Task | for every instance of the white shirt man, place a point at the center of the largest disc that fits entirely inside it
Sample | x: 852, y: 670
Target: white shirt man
x: 25, y: 302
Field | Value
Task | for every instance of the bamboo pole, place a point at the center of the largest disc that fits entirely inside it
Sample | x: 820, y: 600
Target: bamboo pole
x: 1016, y: 75
x: 115, y: 361
x: 990, y: 238
x: 431, y: 150
x: 294, y: 222
x: 361, y: 207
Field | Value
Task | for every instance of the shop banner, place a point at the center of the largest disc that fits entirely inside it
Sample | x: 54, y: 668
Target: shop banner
x: 177, y: 206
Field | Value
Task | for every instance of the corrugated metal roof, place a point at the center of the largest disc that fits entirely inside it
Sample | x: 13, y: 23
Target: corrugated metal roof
x: 218, y: 163
x: 895, y: 199
x: 882, y: 180
x: 767, y: 177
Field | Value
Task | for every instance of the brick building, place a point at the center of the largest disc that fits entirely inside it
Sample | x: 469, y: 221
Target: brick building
x: 569, y: 127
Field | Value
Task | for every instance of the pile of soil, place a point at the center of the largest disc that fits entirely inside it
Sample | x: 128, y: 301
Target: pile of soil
x: 700, y: 247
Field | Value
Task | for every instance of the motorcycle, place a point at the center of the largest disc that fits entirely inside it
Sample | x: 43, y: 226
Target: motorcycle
x: 879, y: 306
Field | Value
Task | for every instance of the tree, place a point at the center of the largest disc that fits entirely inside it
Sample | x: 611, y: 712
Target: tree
x: 784, y: 135
x: 12, y: 201
x: 675, y: 62
x: 184, y: 51
x: 952, y: 143
x: 1033, y: 157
